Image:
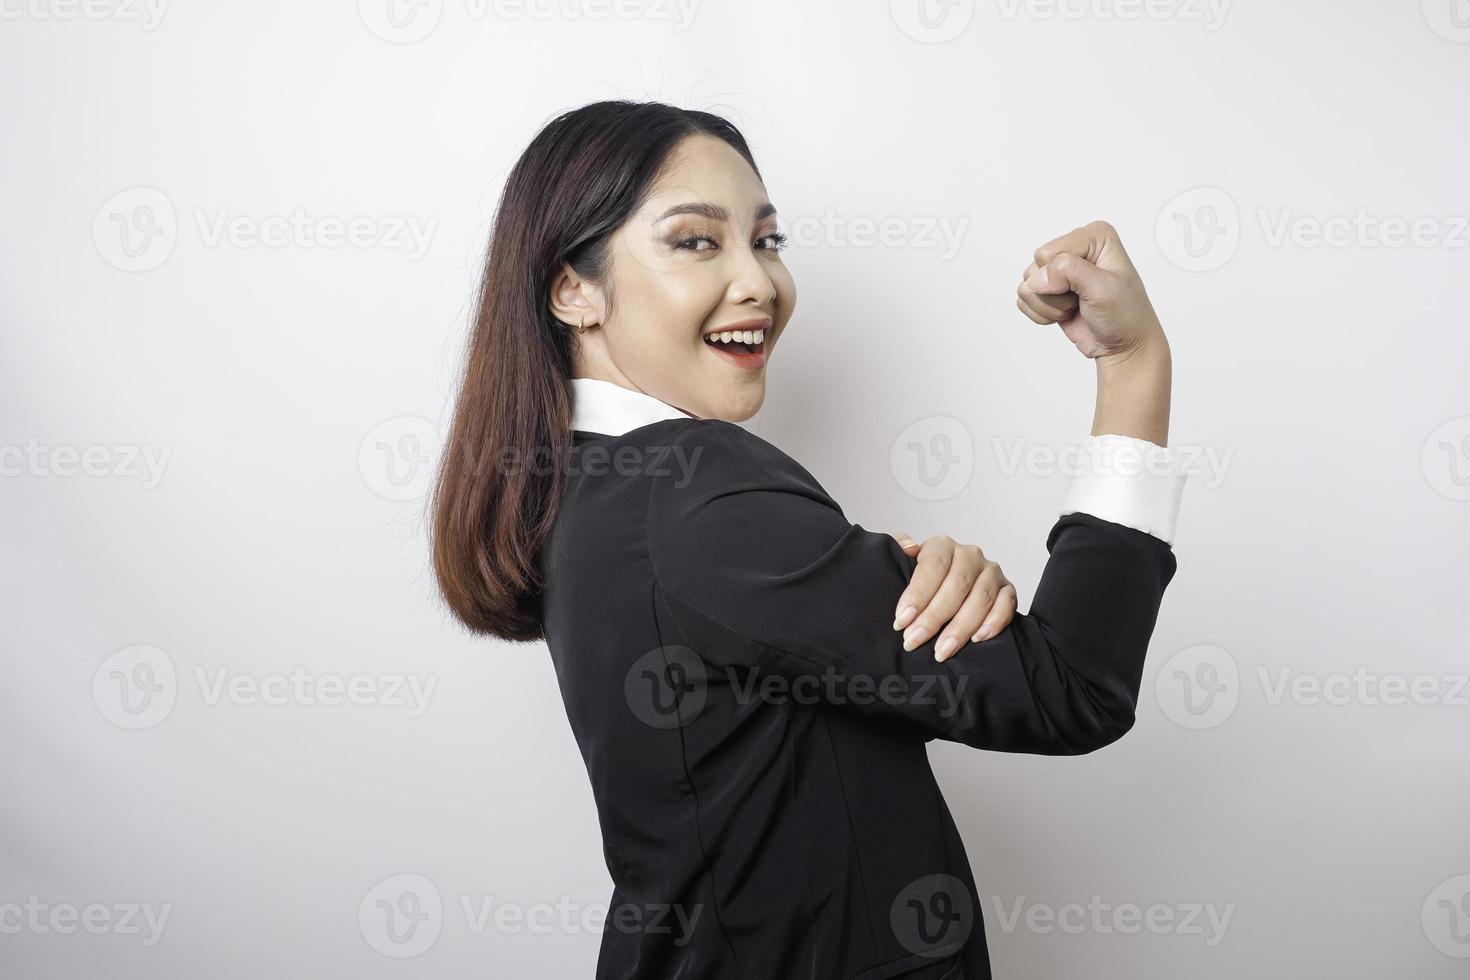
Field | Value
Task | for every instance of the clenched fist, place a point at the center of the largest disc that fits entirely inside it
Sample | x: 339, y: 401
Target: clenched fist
x: 1085, y: 282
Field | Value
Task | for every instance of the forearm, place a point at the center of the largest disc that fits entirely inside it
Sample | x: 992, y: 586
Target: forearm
x: 1133, y: 391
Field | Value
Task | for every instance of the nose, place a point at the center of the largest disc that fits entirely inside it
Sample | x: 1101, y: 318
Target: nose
x: 749, y: 281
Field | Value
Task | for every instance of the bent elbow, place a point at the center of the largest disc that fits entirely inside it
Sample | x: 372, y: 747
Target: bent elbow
x: 1113, y: 734
x: 1109, y: 728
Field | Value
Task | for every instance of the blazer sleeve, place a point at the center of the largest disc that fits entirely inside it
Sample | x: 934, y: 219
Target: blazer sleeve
x: 757, y: 567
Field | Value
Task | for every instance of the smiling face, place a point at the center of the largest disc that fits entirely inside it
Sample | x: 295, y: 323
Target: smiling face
x: 700, y: 257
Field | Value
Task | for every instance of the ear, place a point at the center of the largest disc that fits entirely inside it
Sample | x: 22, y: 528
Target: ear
x: 568, y: 298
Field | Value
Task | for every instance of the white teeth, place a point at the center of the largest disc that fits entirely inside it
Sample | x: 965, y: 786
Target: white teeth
x: 743, y: 336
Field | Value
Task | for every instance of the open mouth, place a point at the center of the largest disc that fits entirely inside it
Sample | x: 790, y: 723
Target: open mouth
x: 737, y: 341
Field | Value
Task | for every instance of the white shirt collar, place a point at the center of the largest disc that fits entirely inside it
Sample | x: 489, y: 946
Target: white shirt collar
x: 610, y: 409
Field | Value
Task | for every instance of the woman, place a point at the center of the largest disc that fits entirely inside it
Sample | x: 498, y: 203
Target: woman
x: 753, y: 725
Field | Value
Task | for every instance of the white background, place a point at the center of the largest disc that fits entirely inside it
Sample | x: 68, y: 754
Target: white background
x: 1265, y: 164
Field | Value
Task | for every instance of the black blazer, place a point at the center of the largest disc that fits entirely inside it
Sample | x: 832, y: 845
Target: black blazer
x: 754, y: 730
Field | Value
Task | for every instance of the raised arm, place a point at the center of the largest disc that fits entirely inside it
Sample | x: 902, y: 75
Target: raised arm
x: 758, y: 569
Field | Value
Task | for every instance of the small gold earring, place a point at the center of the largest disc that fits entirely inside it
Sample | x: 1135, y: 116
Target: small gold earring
x: 580, y: 327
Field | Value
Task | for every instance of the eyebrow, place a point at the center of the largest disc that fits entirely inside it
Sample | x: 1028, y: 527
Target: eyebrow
x: 714, y: 212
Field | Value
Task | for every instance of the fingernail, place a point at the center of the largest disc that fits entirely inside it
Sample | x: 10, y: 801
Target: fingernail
x: 946, y: 646
x: 913, y: 636
x: 904, y: 615
x: 983, y: 633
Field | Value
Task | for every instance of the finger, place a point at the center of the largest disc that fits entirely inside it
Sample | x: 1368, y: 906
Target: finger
x: 965, y: 568
x: 1090, y: 241
x: 1045, y: 309
x: 1000, y: 616
x: 1068, y: 273
x: 934, y: 558
x: 972, y: 614
x: 1050, y: 308
x: 905, y: 542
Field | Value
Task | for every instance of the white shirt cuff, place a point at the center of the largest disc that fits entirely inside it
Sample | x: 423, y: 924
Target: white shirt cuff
x: 1128, y: 481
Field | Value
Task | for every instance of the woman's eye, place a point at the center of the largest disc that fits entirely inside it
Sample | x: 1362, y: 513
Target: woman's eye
x: 692, y: 242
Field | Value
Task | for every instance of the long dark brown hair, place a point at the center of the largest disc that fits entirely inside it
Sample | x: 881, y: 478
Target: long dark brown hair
x: 499, y: 480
